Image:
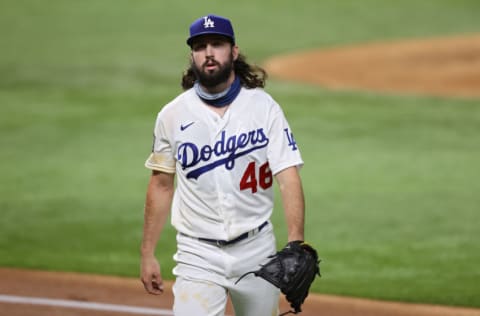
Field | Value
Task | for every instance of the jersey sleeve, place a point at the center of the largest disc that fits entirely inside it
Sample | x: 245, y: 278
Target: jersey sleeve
x: 283, y: 151
x: 162, y: 157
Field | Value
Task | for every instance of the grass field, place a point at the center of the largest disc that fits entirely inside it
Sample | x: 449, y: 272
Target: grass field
x: 391, y: 181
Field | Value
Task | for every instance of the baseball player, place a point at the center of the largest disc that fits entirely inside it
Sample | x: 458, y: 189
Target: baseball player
x: 224, y: 140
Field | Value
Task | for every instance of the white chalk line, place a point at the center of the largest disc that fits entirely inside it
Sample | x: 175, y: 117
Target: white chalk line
x: 85, y: 305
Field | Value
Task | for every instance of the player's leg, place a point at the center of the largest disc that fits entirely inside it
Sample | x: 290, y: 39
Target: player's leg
x: 198, y: 289
x: 198, y: 298
x: 255, y: 296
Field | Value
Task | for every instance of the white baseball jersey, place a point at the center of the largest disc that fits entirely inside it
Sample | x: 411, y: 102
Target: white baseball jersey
x: 224, y: 165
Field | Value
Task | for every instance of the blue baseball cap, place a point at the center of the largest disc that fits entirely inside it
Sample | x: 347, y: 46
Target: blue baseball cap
x: 211, y: 24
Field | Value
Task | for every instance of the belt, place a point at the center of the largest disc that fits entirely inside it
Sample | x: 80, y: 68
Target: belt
x: 243, y: 236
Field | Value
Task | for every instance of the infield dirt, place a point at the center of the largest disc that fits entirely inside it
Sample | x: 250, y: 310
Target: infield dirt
x: 129, y: 291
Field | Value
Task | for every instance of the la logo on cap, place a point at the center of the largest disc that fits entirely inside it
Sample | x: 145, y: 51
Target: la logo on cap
x: 208, y: 22
x: 211, y: 24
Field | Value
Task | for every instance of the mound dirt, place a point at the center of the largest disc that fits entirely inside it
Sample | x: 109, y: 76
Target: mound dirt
x: 439, y: 67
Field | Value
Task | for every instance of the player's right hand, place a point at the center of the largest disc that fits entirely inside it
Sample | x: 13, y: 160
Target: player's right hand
x: 151, y: 276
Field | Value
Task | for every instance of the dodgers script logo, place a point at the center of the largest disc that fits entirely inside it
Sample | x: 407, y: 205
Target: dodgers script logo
x: 222, y: 153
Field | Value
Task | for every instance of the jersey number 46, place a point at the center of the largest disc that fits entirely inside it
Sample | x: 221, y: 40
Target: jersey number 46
x: 251, y: 180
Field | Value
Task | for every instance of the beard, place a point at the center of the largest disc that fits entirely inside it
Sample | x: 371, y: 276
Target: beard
x: 213, y: 79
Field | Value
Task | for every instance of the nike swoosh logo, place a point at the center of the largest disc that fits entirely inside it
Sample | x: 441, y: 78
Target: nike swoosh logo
x: 184, y: 127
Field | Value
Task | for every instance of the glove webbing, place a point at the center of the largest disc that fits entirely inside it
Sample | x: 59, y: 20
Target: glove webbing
x: 273, y: 280
x: 294, y: 299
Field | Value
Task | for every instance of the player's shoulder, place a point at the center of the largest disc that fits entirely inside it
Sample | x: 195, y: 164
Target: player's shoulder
x: 260, y: 98
x: 179, y: 101
x: 178, y: 104
x: 258, y: 95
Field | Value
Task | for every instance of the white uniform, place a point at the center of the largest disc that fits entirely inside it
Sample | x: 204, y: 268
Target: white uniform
x: 224, y: 168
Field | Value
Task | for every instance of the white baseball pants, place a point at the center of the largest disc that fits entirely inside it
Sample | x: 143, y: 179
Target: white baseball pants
x: 206, y: 276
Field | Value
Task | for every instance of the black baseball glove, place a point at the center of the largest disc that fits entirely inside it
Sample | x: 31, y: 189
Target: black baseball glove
x: 293, y: 269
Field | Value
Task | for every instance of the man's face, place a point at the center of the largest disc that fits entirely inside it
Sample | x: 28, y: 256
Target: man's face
x: 212, y: 59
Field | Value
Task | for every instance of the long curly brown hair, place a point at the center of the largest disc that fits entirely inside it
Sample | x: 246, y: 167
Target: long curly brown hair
x: 251, y: 76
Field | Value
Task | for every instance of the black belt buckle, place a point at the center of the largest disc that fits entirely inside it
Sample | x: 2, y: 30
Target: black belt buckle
x: 223, y: 243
